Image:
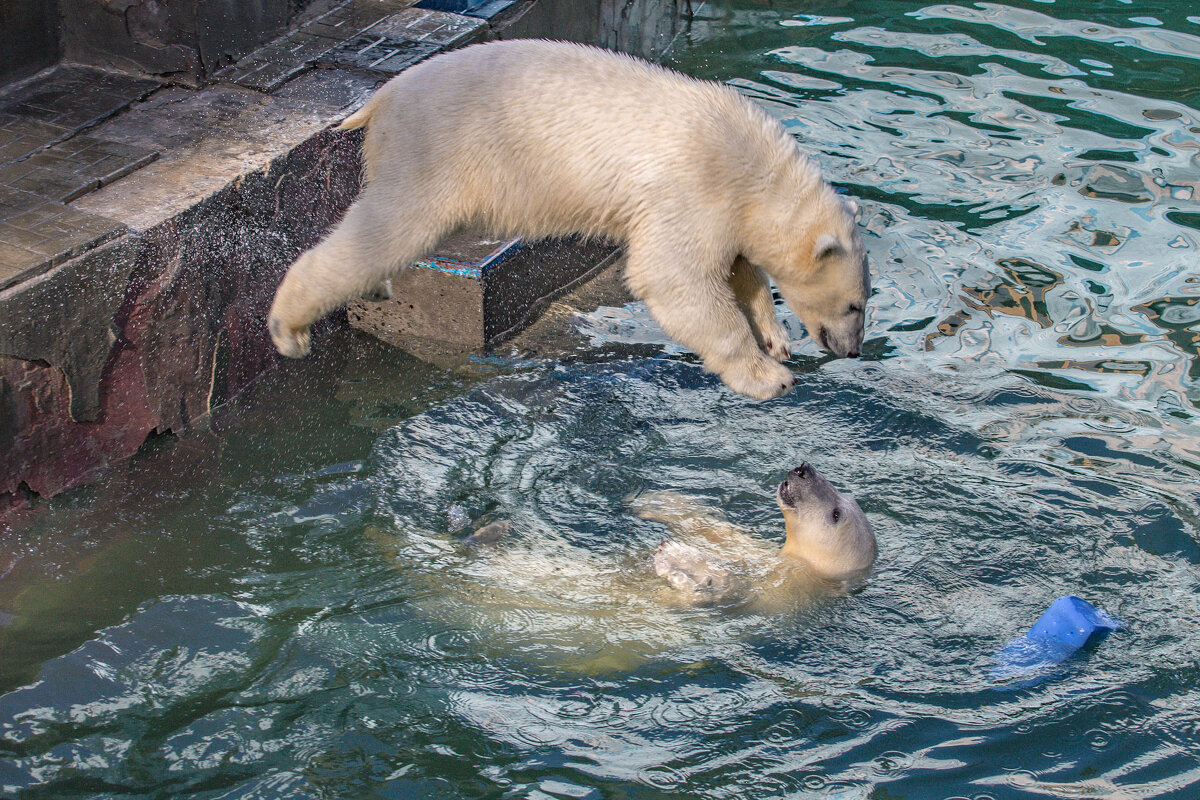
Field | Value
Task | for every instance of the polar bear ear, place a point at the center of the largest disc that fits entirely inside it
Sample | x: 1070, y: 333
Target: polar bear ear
x: 851, y: 205
x: 827, y: 246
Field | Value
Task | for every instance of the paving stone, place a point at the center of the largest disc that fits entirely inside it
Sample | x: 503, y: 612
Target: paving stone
x: 55, y: 184
x: 436, y: 27
x: 276, y: 63
x: 14, y: 263
x: 68, y: 99
x: 211, y: 137
x: 380, y: 55
x: 265, y: 76
x: 21, y: 137
x: 37, y: 233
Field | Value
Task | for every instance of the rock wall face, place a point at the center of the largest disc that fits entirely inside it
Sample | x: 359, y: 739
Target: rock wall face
x: 149, y: 332
x: 181, y: 40
x: 28, y: 37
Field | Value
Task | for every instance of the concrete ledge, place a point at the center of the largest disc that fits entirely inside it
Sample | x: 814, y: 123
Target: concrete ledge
x: 146, y: 306
x: 152, y: 331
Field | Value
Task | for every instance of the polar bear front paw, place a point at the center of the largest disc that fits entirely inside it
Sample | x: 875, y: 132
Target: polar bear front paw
x: 760, y: 378
x: 292, y: 343
x: 689, y: 570
x: 775, y: 340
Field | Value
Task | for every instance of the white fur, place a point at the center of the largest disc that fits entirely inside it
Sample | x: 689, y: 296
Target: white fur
x: 535, y: 138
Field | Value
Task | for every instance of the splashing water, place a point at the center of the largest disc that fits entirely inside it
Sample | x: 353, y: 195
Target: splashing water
x: 289, y: 610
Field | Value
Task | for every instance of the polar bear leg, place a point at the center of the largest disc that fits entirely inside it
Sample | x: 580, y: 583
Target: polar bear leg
x: 697, y: 308
x: 753, y: 293
x: 375, y: 239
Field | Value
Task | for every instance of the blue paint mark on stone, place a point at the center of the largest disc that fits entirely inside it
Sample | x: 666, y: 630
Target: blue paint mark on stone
x: 469, y: 268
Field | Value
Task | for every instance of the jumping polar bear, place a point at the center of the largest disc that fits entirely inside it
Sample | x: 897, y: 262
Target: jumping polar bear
x: 539, y: 138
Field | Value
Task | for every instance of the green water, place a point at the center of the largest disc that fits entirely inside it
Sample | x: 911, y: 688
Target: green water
x: 277, y: 607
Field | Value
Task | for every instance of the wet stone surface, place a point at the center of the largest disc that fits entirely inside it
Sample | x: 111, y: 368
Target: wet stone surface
x: 381, y: 55
x: 37, y: 233
x: 72, y: 97
x: 272, y: 65
x: 45, y: 163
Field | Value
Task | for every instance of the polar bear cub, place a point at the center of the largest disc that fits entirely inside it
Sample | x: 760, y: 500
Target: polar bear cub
x: 708, y: 193
x: 829, y: 546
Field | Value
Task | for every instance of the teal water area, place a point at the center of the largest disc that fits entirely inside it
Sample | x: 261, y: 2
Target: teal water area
x: 282, y: 606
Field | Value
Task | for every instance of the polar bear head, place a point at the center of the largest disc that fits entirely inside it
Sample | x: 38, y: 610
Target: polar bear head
x: 808, y: 242
x: 826, y: 530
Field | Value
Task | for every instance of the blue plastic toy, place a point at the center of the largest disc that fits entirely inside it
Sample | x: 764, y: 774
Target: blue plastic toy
x: 1068, y: 624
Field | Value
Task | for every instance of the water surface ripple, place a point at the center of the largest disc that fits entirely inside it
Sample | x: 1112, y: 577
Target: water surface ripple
x: 287, y: 609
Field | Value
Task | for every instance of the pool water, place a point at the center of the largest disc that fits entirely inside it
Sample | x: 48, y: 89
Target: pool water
x: 281, y: 606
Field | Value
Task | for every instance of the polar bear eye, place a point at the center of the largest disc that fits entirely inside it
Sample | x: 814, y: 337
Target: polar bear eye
x: 855, y: 308
x: 837, y: 514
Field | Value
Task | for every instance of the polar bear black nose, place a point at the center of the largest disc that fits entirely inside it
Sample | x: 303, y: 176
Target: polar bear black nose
x: 801, y: 471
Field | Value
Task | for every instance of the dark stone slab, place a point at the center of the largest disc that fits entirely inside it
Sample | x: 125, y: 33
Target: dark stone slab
x: 383, y: 56
x: 434, y: 27
x: 21, y: 137
x: 72, y: 97
x: 276, y: 63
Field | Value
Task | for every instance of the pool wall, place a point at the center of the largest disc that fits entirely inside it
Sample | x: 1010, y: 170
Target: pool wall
x: 145, y: 221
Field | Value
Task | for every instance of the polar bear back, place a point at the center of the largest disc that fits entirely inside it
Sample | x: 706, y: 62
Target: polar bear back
x: 544, y: 138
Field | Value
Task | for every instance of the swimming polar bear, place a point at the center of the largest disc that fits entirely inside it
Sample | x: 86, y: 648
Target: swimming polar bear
x: 539, y: 595
x: 829, y: 546
x: 708, y: 193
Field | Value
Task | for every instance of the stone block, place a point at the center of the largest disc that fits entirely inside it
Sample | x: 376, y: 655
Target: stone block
x: 72, y: 97
x: 382, y: 56
x: 434, y: 27
x: 274, y: 64
x: 475, y: 291
x: 37, y: 234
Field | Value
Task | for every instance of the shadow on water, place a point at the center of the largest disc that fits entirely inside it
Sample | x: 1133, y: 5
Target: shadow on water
x: 283, y: 607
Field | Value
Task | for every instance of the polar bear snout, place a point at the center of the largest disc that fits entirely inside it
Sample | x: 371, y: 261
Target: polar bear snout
x: 804, y: 485
x: 843, y: 341
x: 791, y: 490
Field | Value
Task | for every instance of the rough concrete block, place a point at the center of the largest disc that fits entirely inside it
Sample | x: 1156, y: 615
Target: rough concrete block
x: 75, y: 307
x: 475, y: 291
x: 186, y: 300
